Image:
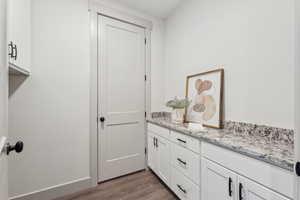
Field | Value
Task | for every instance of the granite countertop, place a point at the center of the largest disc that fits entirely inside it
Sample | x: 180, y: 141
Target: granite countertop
x: 278, y: 152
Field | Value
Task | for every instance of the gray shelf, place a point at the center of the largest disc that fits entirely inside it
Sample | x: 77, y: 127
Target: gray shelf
x: 17, y: 71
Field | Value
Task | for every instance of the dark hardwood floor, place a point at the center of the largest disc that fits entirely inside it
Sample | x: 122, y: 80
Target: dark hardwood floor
x: 139, y: 186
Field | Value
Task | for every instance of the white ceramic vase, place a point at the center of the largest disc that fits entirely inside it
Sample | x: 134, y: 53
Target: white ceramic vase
x: 178, y: 115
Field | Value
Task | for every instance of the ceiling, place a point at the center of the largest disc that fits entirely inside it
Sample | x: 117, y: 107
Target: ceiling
x: 157, y: 8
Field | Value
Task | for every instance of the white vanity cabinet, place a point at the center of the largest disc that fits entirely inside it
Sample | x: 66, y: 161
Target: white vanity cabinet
x: 152, y: 151
x: 221, y: 183
x: 217, y: 182
x: 249, y: 190
x: 183, y: 187
x: 198, y: 170
x: 19, y: 34
x: 163, y: 157
x: 159, y: 154
x: 175, y: 158
x: 186, y: 162
x: 232, y: 176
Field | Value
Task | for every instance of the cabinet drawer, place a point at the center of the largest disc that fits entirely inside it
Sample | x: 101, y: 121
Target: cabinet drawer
x: 160, y: 131
x: 186, y: 141
x: 187, y: 162
x: 183, y: 187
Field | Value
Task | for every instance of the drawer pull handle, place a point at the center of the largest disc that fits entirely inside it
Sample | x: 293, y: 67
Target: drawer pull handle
x: 230, y: 187
x: 241, y: 191
x: 180, y: 188
x: 15, y: 52
x: 180, y: 140
x: 10, y: 49
x: 181, y: 161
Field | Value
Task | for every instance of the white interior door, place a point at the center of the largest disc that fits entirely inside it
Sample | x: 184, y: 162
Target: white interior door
x: 121, y: 98
x: 3, y: 101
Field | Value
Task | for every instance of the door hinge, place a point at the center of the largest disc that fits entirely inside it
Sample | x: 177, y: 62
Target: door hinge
x: 145, y: 77
x: 145, y: 40
x: 145, y: 114
x: 146, y: 151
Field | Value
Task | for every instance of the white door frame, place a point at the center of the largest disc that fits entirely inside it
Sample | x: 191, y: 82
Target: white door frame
x: 95, y: 9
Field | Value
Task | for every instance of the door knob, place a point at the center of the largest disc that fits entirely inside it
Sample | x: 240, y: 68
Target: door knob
x: 102, y: 119
x: 18, y: 147
x: 297, y: 168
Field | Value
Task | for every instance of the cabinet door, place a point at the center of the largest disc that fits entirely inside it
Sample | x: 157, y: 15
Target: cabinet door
x: 164, y: 160
x: 217, y: 182
x: 249, y: 190
x: 152, y: 153
x: 19, y: 25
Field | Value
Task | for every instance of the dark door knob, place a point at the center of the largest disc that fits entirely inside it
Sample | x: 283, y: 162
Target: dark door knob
x: 297, y: 168
x: 18, y: 147
x: 102, y: 119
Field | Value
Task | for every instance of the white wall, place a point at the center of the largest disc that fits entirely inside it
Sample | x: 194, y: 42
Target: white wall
x: 50, y: 110
x: 157, y: 53
x: 252, y: 40
x: 3, y: 98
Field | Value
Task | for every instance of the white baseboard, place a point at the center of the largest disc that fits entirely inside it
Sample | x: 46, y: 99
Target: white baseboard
x: 57, y: 191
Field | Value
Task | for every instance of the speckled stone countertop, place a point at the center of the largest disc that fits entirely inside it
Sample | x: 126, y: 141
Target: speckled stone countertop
x: 271, y: 145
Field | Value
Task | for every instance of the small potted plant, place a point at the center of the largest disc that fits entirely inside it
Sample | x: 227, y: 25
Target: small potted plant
x: 178, y: 108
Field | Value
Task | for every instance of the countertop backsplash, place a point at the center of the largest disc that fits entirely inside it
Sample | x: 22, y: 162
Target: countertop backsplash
x: 280, y: 135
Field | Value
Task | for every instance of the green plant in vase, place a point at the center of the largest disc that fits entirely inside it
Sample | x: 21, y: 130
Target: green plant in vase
x: 178, y: 108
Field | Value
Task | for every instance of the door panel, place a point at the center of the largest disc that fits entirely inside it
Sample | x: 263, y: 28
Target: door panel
x: 164, y: 159
x: 121, y: 98
x: 216, y: 182
x: 152, y: 153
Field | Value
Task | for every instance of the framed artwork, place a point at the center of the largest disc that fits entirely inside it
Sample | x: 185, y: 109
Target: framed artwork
x: 205, y: 90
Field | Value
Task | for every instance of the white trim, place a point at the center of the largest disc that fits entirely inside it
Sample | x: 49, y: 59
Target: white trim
x: 93, y: 98
x: 56, y: 191
x: 148, y: 72
x: 148, y: 88
x: 95, y: 10
x: 103, y: 9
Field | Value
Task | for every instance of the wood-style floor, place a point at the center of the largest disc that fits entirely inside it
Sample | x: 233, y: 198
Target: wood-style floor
x: 139, y: 186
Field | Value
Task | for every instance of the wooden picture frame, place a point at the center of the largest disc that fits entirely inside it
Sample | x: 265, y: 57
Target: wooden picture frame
x: 206, y: 91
